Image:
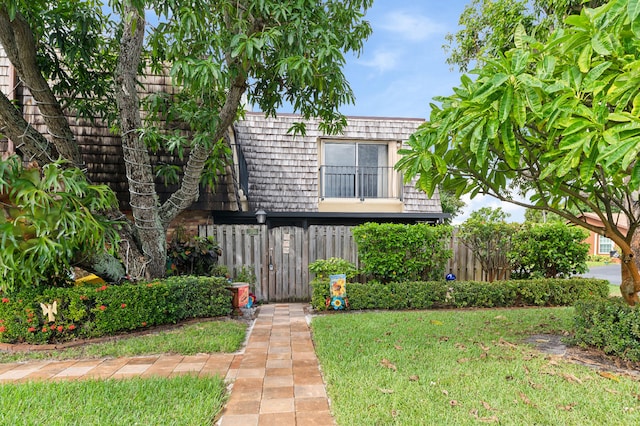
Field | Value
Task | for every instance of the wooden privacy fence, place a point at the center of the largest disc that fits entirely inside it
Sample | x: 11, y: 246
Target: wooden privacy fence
x: 280, y: 256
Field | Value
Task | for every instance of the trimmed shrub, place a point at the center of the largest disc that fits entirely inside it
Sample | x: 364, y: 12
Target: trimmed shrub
x: 610, y: 325
x: 462, y: 294
x: 392, y: 252
x: 322, y: 268
x: 549, y: 250
x: 93, y: 311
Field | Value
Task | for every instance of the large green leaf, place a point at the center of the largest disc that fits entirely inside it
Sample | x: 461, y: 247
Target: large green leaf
x: 594, y: 74
x: 616, y: 152
x: 602, y: 43
x: 584, y: 60
x: 510, y: 144
x: 505, y: 104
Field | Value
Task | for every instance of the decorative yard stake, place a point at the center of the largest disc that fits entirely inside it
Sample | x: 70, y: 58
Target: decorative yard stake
x: 50, y: 309
x: 338, y: 291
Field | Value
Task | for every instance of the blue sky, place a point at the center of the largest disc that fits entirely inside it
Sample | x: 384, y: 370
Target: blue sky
x: 403, y: 67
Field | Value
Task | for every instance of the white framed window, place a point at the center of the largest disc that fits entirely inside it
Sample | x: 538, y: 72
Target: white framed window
x: 605, y: 245
x: 356, y: 169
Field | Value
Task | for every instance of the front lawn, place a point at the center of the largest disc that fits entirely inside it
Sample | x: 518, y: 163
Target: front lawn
x: 202, y: 337
x: 182, y: 400
x: 462, y: 367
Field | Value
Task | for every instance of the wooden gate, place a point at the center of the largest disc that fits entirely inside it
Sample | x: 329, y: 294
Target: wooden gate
x: 279, y: 257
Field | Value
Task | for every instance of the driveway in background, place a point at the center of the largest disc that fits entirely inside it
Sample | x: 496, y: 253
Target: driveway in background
x: 609, y: 272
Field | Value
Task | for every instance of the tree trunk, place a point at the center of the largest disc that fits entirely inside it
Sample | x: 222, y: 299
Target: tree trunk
x: 630, y: 270
x: 17, y: 38
x: 143, y: 197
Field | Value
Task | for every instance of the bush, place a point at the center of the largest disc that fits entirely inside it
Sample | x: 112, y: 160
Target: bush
x: 94, y: 311
x: 395, y: 252
x: 488, y: 235
x: 47, y: 220
x: 192, y: 255
x: 548, y: 250
x: 610, y: 325
x: 322, y: 268
x: 461, y: 294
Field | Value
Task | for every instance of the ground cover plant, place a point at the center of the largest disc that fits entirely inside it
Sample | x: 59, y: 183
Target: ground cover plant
x: 201, y: 337
x: 182, y: 400
x: 462, y: 367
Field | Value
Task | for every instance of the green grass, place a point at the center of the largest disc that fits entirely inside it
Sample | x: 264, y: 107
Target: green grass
x: 202, y: 337
x: 463, y: 367
x: 182, y: 400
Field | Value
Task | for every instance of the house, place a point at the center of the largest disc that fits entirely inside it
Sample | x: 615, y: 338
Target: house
x: 600, y: 245
x: 316, y: 178
x: 309, y: 189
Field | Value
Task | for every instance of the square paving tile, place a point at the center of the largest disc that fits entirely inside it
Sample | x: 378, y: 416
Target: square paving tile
x: 311, y: 404
x: 239, y: 420
x: 237, y: 406
x: 248, y: 394
x: 251, y: 373
x: 278, y: 372
x: 279, y: 363
x: 309, y: 391
x: 277, y: 405
x: 272, y: 356
x: 308, y: 380
x: 248, y: 383
x: 280, y: 419
x: 189, y: 367
x: 277, y: 392
x: 278, y: 381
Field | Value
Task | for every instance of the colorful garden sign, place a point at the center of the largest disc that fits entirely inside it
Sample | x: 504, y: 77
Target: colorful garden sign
x: 338, y: 291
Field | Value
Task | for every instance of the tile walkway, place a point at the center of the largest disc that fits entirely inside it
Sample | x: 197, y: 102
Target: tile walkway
x: 276, y: 380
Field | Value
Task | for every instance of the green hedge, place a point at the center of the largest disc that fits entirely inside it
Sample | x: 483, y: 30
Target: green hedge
x: 460, y: 294
x: 93, y: 310
x: 610, y: 325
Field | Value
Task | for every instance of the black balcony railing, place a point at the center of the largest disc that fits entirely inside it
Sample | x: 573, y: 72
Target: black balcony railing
x: 359, y: 182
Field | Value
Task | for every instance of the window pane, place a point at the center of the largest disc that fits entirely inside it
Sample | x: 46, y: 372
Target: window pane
x: 340, y: 170
x: 605, y: 245
x: 372, y: 170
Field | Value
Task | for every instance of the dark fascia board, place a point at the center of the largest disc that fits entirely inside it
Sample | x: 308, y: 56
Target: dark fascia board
x: 305, y: 219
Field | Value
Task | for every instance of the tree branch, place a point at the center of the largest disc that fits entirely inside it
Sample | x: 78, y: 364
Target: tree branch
x: 17, y: 38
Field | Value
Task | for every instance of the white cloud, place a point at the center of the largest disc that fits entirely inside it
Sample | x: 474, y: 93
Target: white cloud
x: 382, y: 60
x: 411, y: 27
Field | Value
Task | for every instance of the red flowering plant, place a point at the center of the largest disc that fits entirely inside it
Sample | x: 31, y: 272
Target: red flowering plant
x: 88, y: 310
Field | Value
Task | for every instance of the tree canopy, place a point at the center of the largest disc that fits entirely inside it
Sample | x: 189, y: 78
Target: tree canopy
x: 488, y: 26
x: 76, y: 60
x: 558, y: 119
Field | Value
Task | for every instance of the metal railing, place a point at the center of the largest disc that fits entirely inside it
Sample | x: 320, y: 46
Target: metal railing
x: 360, y: 182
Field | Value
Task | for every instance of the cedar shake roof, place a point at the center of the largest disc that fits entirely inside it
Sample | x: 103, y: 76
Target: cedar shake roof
x: 283, y: 169
x: 275, y: 170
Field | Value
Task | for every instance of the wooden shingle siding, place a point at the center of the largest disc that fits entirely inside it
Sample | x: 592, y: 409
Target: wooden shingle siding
x: 283, y: 169
x: 102, y: 150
